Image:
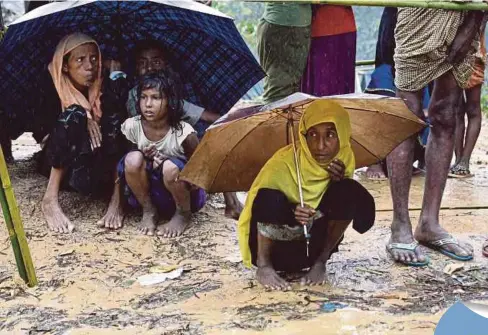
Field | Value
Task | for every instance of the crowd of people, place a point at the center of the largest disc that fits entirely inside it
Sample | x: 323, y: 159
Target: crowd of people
x: 104, y: 133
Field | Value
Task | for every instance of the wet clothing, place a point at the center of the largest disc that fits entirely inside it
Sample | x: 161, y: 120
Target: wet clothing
x: 331, y: 61
x: 423, y: 37
x: 288, y: 14
x: 160, y: 196
x: 171, y: 144
x: 344, y: 201
x: 280, y: 172
x: 283, y: 53
x: 68, y: 146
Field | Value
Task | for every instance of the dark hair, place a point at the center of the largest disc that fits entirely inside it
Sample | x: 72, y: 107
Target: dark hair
x: 165, y: 82
x: 146, y: 45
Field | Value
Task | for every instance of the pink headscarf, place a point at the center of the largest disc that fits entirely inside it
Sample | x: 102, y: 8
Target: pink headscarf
x: 68, y: 94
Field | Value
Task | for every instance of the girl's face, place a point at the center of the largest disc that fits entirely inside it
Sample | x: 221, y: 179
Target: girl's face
x: 323, y: 142
x: 154, y: 106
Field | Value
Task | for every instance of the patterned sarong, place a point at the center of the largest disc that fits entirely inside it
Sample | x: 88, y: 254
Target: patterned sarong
x: 423, y: 37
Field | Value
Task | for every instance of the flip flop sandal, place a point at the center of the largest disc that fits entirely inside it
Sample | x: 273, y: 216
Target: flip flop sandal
x: 438, y: 246
x: 455, y: 173
x: 409, y: 247
x: 485, y: 249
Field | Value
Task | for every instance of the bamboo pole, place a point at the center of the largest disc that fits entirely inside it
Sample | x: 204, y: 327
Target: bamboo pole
x: 15, y: 228
x: 435, y: 4
x: 365, y: 62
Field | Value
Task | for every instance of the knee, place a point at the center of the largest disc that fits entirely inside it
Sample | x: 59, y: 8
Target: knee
x: 443, y: 113
x: 134, y: 161
x: 170, y: 172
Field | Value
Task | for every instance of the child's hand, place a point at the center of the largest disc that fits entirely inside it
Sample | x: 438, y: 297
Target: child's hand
x: 158, y: 159
x: 150, y: 151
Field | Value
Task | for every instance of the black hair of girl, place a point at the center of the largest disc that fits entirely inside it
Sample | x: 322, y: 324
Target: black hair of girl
x: 165, y: 82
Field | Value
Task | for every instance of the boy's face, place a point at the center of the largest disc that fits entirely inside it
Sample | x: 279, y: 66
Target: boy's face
x: 154, y: 107
x: 323, y: 142
x: 149, y: 61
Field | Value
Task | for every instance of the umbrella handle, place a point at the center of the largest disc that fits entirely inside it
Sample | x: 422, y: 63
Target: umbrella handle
x: 295, y: 155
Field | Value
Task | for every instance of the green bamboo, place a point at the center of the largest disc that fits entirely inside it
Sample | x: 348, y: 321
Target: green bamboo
x: 13, y: 237
x: 16, y: 228
x: 435, y: 4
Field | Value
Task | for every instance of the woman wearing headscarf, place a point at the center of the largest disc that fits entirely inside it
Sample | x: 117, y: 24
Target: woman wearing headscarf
x: 78, y: 127
x: 271, y: 234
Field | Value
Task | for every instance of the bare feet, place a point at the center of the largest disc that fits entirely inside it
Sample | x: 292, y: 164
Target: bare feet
x: 315, y: 276
x: 56, y: 220
x: 147, y: 226
x: 427, y: 233
x: 233, y: 206
x: 113, y: 219
x: 375, y: 172
x: 268, y: 277
x: 177, y: 225
x: 402, y: 233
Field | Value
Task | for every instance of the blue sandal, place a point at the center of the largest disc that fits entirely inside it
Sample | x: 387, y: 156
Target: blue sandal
x: 409, y: 247
x: 440, y: 243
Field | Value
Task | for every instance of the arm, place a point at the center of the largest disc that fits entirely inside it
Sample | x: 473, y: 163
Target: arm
x: 465, y: 36
x: 190, y: 145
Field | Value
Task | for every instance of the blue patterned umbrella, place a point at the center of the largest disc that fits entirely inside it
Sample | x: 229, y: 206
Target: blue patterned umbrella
x: 204, y: 46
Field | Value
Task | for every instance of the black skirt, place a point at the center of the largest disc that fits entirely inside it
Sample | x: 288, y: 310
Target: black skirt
x: 345, y: 201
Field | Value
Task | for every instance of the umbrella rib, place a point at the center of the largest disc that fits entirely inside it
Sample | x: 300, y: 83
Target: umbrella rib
x: 362, y: 146
x: 238, y: 142
x: 388, y: 113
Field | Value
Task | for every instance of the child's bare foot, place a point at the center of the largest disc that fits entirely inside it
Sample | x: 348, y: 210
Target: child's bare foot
x: 56, y: 220
x: 147, y: 226
x: 113, y: 219
x: 315, y: 276
x: 268, y: 277
x: 177, y: 225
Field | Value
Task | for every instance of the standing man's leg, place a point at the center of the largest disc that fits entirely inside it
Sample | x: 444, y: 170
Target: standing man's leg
x: 402, y: 244
x: 442, y: 110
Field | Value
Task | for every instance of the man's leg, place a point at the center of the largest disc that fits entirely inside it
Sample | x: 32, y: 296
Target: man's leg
x: 233, y: 206
x: 472, y: 107
x: 442, y: 110
x: 400, y: 163
x: 460, y: 130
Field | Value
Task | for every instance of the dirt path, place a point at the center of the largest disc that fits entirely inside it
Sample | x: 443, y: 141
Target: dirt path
x: 88, y: 279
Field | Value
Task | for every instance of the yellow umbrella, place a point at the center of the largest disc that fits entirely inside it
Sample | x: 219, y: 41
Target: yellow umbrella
x: 232, y: 153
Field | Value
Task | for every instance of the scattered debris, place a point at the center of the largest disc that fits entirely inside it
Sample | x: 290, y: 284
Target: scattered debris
x: 157, y: 278
x: 453, y: 267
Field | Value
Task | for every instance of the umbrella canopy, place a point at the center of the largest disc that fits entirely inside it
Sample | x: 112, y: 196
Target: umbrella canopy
x: 232, y: 153
x: 203, y: 46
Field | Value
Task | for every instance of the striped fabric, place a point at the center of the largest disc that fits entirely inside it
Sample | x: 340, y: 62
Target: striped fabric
x: 422, y: 40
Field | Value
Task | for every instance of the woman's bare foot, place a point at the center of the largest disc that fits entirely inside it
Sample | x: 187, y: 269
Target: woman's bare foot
x: 56, y: 220
x: 375, y: 172
x: 113, y: 219
x: 177, y: 225
x: 233, y: 206
x: 147, y: 226
x: 268, y: 277
x: 315, y: 276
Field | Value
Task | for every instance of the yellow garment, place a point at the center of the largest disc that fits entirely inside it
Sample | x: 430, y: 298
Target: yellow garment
x: 279, y: 173
x: 68, y: 94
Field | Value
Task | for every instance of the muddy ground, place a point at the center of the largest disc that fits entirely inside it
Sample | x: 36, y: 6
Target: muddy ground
x: 88, y: 280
